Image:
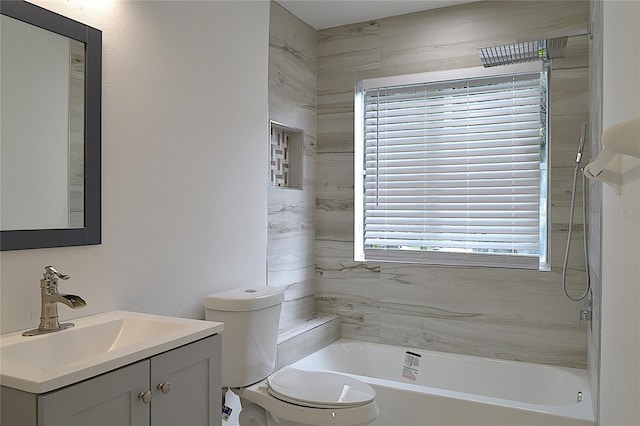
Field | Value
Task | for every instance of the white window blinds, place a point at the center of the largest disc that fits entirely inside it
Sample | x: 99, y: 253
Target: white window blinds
x: 454, y: 172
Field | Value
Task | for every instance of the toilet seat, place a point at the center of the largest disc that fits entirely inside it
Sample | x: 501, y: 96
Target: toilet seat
x: 295, y: 414
x: 317, y: 389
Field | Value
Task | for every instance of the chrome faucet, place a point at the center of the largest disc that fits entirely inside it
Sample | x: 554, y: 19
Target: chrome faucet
x: 50, y: 299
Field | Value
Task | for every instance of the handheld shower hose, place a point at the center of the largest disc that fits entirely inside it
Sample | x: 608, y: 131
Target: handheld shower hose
x: 577, y: 170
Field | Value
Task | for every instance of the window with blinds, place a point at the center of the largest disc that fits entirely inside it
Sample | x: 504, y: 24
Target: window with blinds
x: 453, y: 172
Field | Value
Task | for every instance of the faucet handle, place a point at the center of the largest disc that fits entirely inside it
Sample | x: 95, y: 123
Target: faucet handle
x: 51, y: 272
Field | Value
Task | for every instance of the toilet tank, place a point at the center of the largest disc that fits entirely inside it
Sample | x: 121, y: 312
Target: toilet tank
x: 250, y: 338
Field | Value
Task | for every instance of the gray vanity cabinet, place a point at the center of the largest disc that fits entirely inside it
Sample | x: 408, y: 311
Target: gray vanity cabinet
x: 193, y: 377
x: 184, y: 385
x: 108, y: 400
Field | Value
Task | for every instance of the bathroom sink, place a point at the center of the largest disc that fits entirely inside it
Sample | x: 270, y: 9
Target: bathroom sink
x: 95, y: 345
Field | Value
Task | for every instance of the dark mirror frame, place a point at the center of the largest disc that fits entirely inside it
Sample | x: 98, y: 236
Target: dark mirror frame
x: 92, y: 38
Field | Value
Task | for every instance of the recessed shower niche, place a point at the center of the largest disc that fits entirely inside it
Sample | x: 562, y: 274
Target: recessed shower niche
x: 285, y: 156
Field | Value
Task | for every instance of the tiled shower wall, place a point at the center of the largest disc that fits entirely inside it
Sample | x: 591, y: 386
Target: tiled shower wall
x: 509, y: 314
x: 292, y: 102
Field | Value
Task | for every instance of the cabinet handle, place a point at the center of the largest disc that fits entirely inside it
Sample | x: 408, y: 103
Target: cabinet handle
x: 145, y: 396
x: 165, y: 388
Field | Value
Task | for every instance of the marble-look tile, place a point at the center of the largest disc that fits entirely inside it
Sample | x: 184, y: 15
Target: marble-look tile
x: 309, y: 149
x: 290, y: 250
x: 299, y: 300
x: 595, y: 224
x: 336, y: 131
x: 565, y: 134
x: 307, y: 335
x: 569, y: 91
x: 576, y: 54
x: 292, y: 102
x: 334, y: 221
x: 414, y: 301
x: 496, y: 294
x: 336, y: 103
x: 292, y: 114
x: 289, y: 245
x: 341, y: 72
x: 334, y: 197
x: 291, y: 276
x: 334, y: 260
x: 434, y: 40
x: 494, y: 340
x: 561, y: 189
x: 293, y: 310
x: 305, y: 324
x: 300, y: 289
x: 290, y: 253
x: 562, y: 213
x: 290, y: 212
x: 349, y: 38
x: 290, y: 206
x: 489, y: 19
x: 491, y: 312
x: 335, y: 172
x: 448, y: 38
x: 347, y: 54
x: 357, y: 304
x: 559, y: 242
x: 292, y: 70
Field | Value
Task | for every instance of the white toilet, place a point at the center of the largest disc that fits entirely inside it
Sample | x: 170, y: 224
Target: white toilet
x: 288, y: 397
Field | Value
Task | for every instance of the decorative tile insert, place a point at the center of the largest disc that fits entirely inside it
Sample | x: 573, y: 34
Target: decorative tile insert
x: 285, y: 157
x: 279, y: 165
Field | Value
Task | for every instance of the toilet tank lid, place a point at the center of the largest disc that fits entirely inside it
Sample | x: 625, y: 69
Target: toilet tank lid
x: 244, y: 299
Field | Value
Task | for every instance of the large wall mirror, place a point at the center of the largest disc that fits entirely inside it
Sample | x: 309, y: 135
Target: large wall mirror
x: 50, y: 133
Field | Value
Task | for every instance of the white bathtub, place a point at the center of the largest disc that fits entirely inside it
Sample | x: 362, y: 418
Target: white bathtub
x: 418, y: 387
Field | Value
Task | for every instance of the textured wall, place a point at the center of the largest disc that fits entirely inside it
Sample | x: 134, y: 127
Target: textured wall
x: 292, y: 102
x: 511, y: 314
x: 619, y: 382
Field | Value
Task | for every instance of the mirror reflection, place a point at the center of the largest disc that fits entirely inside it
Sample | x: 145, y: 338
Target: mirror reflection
x: 50, y: 137
x: 42, y: 133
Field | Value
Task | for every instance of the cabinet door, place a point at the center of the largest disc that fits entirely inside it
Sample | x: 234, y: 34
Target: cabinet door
x: 190, y: 376
x: 107, y: 400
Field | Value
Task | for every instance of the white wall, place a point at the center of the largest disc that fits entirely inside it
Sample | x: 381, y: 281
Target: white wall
x: 620, y: 338
x: 184, y: 164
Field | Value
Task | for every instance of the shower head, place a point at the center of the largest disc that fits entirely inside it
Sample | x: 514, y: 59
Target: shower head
x: 526, y: 51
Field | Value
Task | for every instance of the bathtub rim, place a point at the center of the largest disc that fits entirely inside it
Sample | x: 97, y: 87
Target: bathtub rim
x: 582, y: 410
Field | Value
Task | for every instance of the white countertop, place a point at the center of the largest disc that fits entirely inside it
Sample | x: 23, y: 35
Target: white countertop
x: 95, y: 345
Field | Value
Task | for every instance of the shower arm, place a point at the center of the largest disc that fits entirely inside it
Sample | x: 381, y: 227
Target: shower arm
x: 571, y: 33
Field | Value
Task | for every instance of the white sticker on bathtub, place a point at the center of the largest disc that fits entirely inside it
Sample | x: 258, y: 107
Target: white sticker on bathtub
x: 411, y: 365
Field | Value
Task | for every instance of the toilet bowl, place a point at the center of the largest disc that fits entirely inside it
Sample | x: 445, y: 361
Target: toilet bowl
x: 289, y: 396
x: 292, y: 397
